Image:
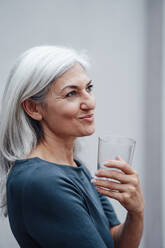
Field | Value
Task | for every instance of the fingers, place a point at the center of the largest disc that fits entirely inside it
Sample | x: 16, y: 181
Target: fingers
x: 113, y: 186
x: 110, y: 193
x: 112, y: 174
x: 125, y: 174
x: 126, y: 187
x: 119, y: 158
x: 121, y: 192
x: 132, y: 200
x: 132, y: 179
x: 119, y: 164
x: 123, y: 197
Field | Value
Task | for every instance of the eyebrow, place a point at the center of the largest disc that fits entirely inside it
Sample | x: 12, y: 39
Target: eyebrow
x: 75, y: 86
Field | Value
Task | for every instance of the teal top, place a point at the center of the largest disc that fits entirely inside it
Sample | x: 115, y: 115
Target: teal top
x: 56, y: 206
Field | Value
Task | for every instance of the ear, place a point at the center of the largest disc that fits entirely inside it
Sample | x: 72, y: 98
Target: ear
x: 33, y: 109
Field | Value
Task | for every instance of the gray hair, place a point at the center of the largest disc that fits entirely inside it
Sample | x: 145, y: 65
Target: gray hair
x: 31, y: 77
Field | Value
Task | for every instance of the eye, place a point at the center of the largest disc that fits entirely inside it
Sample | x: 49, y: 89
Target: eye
x: 72, y: 93
x: 90, y: 87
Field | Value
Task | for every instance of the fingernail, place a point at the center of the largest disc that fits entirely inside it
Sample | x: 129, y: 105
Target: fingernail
x: 93, y: 180
x: 106, y: 162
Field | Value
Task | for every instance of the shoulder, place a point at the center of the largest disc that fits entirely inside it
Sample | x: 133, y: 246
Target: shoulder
x: 49, y: 188
x: 38, y: 181
x: 32, y: 173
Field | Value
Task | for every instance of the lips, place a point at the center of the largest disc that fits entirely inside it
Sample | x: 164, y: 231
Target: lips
x: 87, y: 116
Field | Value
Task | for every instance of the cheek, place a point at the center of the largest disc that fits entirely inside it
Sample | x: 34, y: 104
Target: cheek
x: 68, y: 110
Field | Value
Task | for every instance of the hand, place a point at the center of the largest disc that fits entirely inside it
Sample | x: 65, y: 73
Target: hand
x: 126, y: 189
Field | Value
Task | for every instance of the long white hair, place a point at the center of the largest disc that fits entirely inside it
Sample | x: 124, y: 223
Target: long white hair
x: 31, y: 77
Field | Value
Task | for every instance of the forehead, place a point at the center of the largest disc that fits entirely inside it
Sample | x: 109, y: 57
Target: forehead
x: 76, y: 75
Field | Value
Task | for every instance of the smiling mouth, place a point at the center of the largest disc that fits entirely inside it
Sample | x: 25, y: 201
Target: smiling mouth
x: 88, y: 117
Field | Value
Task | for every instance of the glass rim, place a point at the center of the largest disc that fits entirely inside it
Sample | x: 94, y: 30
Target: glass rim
x: 105, y: 136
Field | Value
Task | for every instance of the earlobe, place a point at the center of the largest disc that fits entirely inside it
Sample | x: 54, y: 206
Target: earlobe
x: 32, y: 109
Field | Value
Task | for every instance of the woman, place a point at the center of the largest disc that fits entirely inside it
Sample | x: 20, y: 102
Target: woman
x: 47, y: 103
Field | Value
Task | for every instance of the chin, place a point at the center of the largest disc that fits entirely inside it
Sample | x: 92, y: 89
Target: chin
x: 88, y: 132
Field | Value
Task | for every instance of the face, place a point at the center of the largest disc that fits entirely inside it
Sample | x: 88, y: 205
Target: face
x: 69, y: 105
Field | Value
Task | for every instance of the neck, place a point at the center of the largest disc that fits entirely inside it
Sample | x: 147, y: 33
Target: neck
x: 55, y: 149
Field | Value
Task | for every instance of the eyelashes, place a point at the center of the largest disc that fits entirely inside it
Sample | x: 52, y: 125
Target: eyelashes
x: 90, y: 86
x: 75, y: 92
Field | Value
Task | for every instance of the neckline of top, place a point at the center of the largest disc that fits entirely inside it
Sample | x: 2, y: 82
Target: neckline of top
x: 79, y: 165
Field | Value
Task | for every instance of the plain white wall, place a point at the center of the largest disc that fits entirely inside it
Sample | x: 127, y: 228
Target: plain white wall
x: 113, y: 32
x: 163, y: 139
x: 153, y: 125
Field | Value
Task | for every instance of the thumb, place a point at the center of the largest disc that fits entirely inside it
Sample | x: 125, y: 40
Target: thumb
x: 119, y: 158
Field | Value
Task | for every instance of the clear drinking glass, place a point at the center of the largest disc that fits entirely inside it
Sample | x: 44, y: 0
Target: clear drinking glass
x: 111, y: 146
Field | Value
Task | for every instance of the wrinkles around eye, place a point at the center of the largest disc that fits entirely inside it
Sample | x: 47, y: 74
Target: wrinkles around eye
x: 73, y: 92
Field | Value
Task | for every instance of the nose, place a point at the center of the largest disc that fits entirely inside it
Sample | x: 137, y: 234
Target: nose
x: 88, y: 102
